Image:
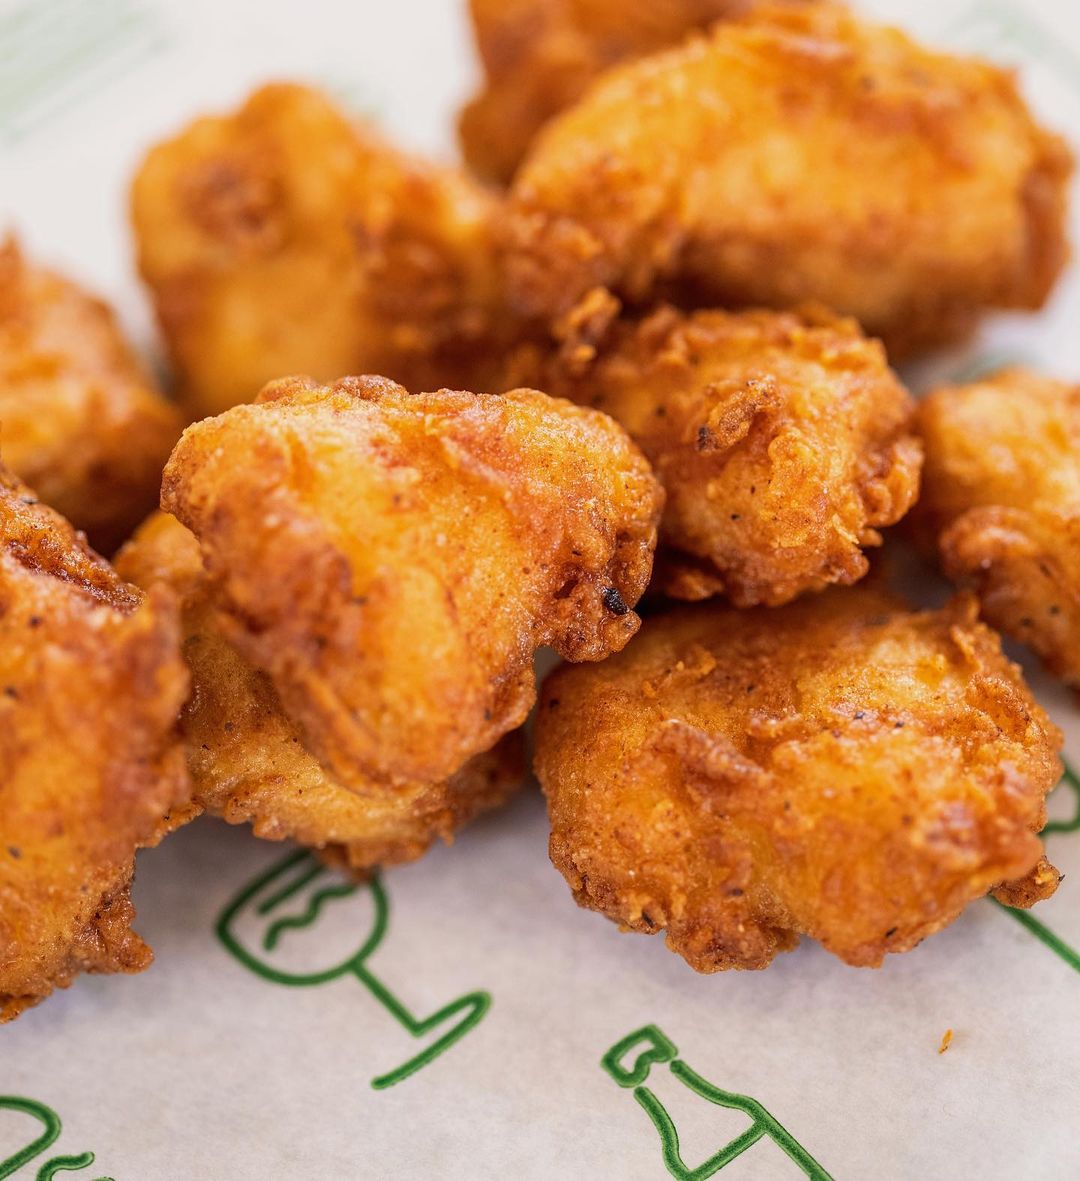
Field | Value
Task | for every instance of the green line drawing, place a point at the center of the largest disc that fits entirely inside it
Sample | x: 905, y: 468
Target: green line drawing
x: 1068, y: 780
x: 1043, y: 933
x: 51, y: 1126
x: 1024, y: 917
x: 284, y: 882
x: 653, y: 1048
x: 53, y: 53
x: 50, y: 1122
x: 987, y: 364
x: 999, y: 26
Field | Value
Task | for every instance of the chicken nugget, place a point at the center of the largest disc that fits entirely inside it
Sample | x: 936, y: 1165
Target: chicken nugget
x: 796, y: 154
x: 286, y: 238
x: 783, y: 440
x: 842, y: 767
x: 540, y: 56
x: 247, y: 760
x: 1002, y: 504
x: 80, y: 419
x: 91, y: 767
x: 392, y: 561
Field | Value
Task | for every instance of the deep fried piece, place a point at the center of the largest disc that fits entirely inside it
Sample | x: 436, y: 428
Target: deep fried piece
x: 842, y: 768
x: 783, y: 441
x: 91, y: 682
x: 393, y: 561
x: 796, y: 154
x: 539, y: 57
x: 1002, y: 504
x: 80, y: 419
x: 285, y: 238
x: 247, y: 760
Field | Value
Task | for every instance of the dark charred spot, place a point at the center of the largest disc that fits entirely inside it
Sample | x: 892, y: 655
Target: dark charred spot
x: 35, y: 621
x: 1054, y: 609
x: 891, y: 932
x: 487, y: 715
x: 860, y: 714
x: 12, y: 692
x: 553, y: 703
x: 750, y: 688
x: 228, y: 727
x: 14, y: 851
x: 736, y: 516
x: 898, y: 725
x: 703, y: 437
x: 613, y: 601
x: 735, y: 892
x: 661, y: 412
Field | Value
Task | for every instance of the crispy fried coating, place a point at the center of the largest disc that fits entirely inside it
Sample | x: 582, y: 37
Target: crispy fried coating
x: 783, y: 441
x: 91, y: 682
x: 796, y: 154
x: 80, y: 419
x: 841, y: 767
x: 247, y: 760
x: 393, y: 561
x: 539, y: 56
x: 1002, y: 504
x: 286, y: 238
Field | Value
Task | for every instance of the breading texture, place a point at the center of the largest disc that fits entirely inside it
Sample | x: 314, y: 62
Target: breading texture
x: 393, y: 561
x: 286, y: 238
x: 1002, y: 504
x: 91, y: 683
x: 247, y: 760
x: 539, y: 56
x: 796, y: 154
x: 783, y: 441
x: 80, y: 418
x: 842, y: 767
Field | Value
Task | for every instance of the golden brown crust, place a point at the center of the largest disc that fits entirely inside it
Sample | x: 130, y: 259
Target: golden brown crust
x: 80, y: 419
x: 91, y: 682
x: 539, y: 57
x: 821, y: 158
x: 248, y: 763
x: 1002, y: 504
x: 393, y: 561
x: 841, y: 767
x: 286, y: 238
x: 783, y: 441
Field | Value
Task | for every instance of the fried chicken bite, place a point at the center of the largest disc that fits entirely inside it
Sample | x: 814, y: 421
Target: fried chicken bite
x: 539, y: 56
x: 247, y: 760
x: 80, y: 418
x: 91, y: 769
x: 286, y: 238
x: 1001, y: 504
x: 393, y: 561
x: 795, y: 154
x: 842, y: 767
x: 783, y: 441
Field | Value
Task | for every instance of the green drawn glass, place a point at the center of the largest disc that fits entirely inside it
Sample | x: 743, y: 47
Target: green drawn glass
x: 1024, y: 917
x: 653, y: 1049
x: 285, y: 881
x: 51, y: 1126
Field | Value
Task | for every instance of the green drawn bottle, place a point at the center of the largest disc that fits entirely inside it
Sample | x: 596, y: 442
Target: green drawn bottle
x: 650, y: 1047
x: 267, y: 898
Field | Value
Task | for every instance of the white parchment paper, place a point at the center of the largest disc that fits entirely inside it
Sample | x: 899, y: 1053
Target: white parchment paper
x: 206, y: 1067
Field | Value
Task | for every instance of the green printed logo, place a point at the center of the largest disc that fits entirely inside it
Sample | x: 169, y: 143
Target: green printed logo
x: 290, y: 897
x: 53, y: 53
x: 1024, y: 917
x: 651, y: 1048
x: 49, y: 1122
